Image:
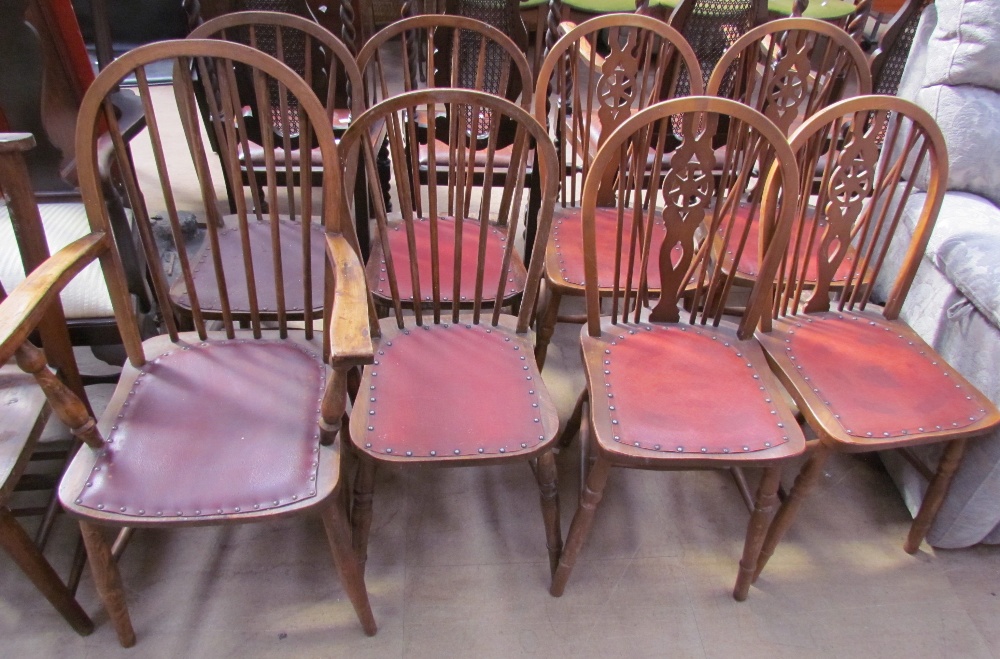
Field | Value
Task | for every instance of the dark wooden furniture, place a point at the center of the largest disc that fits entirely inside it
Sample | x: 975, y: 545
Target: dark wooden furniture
x: 712, y: 27
x: 41, y: 95
x: 682, y: 387
x: 23, y: 388
x: 863, y: 380
x: 586, y: 88
x: 218, y: 425
x: 453, y: 384
x: 893, y: 48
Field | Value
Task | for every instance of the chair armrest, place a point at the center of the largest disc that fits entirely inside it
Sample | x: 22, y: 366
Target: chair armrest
x: 22, y: 310
x: 565, y: 27
x: 350, y: 333
x: 16, y: 142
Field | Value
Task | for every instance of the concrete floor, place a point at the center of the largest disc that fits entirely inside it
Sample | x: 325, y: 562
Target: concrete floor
x: 458, y: 567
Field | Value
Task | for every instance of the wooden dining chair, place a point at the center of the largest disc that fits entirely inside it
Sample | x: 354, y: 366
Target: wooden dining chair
x: 219, y: 425
x: 861, y: 378
x: 453, y: 380
x: 681, y: 386
x: 789, y: 69
x: 24, y: 380
x: 319, y: 58
x: 595, y: 77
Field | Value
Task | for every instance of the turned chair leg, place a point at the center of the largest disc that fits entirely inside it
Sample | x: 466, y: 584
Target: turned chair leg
x: 804, y: 483
x: 16, y: 542
x: 545, y: 473
x: 582, y: 521
x: 572, y: 428
x: 108, y: 581
x: 764, y: 508
x: 935, y: 494
x: 361, y: 511
x: 351, y: 573
x: 547, y: 326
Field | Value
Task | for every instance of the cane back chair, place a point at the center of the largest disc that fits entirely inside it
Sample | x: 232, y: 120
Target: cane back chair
x: 863, y: 380
x: 453, y: 381
x: 893, y: 48
x: 583, y: 93
x: 217, y: 425
x: 681, y: 387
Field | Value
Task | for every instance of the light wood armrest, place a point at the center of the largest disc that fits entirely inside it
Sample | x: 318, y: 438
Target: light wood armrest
x: 27, y: 304
x: 16, y: 142
x: 350, y: 333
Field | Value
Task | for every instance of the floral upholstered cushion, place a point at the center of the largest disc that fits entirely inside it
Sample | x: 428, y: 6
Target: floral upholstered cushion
x: 972, y: 262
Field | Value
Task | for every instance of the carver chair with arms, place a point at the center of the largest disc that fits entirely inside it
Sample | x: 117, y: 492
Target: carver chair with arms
x: 582, y: 94
x: 23, y: 397
x: 679, y: 386
x: 454, y: 382
x: 863, y: 380
x: 218, y: 425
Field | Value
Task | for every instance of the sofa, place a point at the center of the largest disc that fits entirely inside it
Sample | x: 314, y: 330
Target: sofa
x: 953, y: 72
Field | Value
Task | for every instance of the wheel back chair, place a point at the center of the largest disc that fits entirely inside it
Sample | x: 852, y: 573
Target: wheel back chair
x: 453, y: 381
x: 863, y: 380
x: 789, y: 69
x: 594, y: 78
x: 218, y: 425
x: 681, y: 385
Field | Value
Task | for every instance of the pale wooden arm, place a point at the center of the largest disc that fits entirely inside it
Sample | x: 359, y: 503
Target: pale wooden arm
x: 350, y: 333
x: 27, y: 304
x: 584, y: 47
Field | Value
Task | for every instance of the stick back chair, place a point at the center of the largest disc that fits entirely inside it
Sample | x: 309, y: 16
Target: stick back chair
x: 23, y: 396
x: 217, y: 425
x: 863, y: 380
x: 679, y: 386
x: 453, y: 381
x: 583, y: 93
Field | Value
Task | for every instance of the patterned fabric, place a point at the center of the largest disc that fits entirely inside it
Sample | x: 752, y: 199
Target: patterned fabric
x: 970, y: 341
x: 87, y: 295
x: 969, y: 117
x: 972, y: 262
x: 965, y: 45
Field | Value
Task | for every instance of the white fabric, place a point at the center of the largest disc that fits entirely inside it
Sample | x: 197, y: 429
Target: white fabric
x: 969, y: 341
x: 965, y: 46
x: 87, y: 295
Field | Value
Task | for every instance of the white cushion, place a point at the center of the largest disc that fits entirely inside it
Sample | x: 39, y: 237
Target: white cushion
x: 965, y: 46
x: 87, y: 295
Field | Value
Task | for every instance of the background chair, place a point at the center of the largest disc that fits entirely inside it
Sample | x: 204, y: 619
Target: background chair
x: 320, y: 59
x: 453, y: 382
x: 218, y: 425
x: 893, y: 47
x: 679, y: 386
x: 587, y: 87
x: 863, y: 380
x: 23, y: 399
x: 41, y: 95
